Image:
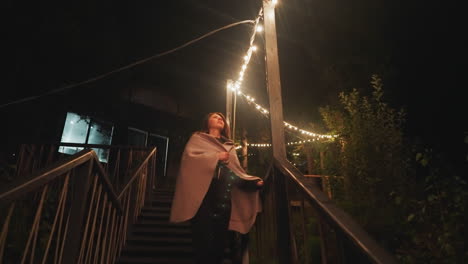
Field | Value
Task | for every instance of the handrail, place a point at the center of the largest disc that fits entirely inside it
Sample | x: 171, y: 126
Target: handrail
x: 91, y: 222
x: 118, y: 160
x: 107, y: 183
x: 53, y: 171
x: 340, y: 218
x: 79, y: 145
x: 15, y: 189
x: 135, y: 174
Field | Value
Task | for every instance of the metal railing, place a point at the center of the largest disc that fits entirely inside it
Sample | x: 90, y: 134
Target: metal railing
x: 69, y: 211
x: 300, y: 224
x: 117, y: 161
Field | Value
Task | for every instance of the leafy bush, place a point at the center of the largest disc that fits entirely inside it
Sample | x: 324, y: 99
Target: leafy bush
x: 407, y: 197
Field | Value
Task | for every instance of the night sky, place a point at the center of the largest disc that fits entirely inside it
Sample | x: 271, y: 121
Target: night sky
x: 324, y: 47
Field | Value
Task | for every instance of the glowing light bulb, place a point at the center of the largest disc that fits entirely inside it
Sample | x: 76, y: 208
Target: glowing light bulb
x: 254, y: 48
x: 259, y: 28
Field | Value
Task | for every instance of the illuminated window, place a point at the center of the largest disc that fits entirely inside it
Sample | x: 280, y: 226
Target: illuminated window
x: 85, y: 130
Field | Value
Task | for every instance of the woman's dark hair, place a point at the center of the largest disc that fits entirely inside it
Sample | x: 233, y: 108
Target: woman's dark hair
x: 225, y: 132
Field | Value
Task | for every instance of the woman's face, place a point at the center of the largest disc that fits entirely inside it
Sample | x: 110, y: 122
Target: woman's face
x: 215, y: 122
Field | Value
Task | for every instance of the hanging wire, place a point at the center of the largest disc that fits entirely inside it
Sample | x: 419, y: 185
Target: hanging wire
x: 102, y: 76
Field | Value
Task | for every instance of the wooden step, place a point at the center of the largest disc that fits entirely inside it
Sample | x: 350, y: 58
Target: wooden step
x: 149, y: 240
x: 158, y: 223
x: 156, y: 209
x: 157, y: 251
x: 161, y: 201
x: 161, y: 231
x: 155, y: 215
x: 155, y: 260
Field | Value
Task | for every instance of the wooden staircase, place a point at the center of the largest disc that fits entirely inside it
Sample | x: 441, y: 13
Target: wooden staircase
x: 154, y: 240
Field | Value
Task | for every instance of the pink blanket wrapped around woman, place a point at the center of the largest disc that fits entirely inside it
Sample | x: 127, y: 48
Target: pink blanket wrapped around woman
x: 197, y: 168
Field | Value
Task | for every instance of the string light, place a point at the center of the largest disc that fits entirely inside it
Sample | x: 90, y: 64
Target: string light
x: 261, y: 109
x: 267, y: 145
x: 251, y: 100
x: 257, y: 28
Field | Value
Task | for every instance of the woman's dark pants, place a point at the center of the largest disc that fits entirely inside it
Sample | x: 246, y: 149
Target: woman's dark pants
x: 210, y: 224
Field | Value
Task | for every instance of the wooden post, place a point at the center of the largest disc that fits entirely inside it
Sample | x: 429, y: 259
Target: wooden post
x: 244, y: 149
x: 310, y: 159
x: 273, y: 82
x: 285, y: 245
x: 233, y: 122
x: 228, y: 102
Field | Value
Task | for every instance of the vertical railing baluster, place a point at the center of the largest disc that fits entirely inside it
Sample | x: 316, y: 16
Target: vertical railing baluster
x: 38, y: 162
x: 59, y: 230
x: 35, y: 226
x: 50, y: 156
x: 92, y: 236
x: 4, y: 233
x: 127, y: 212
x: 119, y: 227
x: 104, y: 238
x: 292, y: 230
x: 283, y: 224
x: 304, y: 236
x: 20, y: 161
x: 111, y: 237
x: 78, y: 207
x: 323, y: 238
x: 132, y: 205
x: 85, y: 232
x: 120, y: 235
x: 60, y: 209
x: 101, y: 220
x: 65, y: 232
x: 121, y: 224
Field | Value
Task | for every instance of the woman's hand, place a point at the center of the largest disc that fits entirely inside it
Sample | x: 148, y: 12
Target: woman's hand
x: 223, y: 156
x: 260, y: 183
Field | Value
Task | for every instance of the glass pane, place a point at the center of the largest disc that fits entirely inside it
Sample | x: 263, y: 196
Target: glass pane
x: 70, y: 150
x: 136, y: 137
x: 75, y: 129
x: 100, y: 133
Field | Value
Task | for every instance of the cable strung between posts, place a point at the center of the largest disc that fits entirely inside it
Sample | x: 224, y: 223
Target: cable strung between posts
x: 102, y: 76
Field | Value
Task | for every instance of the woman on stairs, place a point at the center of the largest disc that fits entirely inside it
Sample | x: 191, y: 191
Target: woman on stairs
x: 213, y: 191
